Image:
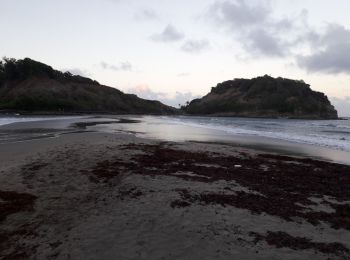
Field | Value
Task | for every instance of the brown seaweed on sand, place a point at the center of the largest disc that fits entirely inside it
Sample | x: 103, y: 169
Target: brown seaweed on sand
x: 281, y: 239
x: 281, y: 186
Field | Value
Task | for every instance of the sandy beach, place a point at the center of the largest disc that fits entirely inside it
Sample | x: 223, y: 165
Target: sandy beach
x: 93, y: 195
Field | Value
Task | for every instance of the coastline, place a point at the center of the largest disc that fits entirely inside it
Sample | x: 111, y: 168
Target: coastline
x: 99, y: 113
x: 106, y: 195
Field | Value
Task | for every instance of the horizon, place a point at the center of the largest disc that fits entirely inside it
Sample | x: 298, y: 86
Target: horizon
x: 175, y: 52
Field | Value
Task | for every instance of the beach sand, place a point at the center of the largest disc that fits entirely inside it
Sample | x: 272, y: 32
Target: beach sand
x: 89, y: 195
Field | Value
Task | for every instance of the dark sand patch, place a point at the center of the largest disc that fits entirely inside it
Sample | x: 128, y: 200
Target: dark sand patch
x: 10, y: 249
x: 84, y: 125
x: 12, y: 202
x: 106, y: 170
x: 35, y: 166
x: 132, y: 193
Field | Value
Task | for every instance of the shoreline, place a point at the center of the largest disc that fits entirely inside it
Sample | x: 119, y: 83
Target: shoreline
x: 147, y: 127
x: 91, y: 113
x: 103, y: 195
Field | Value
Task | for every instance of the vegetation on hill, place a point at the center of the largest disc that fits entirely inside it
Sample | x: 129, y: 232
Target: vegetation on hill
x: 12, y: 69
x: 28, y: 85
x: 263, y: 97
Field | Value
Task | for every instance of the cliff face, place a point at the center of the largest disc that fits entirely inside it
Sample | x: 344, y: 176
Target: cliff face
x: 27, y: 85
x: 264, y: 97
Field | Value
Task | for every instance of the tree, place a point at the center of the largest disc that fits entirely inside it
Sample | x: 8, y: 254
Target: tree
x: 10, y: 68
x: 2, y: 73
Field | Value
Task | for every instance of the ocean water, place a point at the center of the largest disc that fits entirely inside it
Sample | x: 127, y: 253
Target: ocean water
x: 334, y: 134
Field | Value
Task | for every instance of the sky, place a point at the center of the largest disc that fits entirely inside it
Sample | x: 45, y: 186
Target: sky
x: 175, y: 51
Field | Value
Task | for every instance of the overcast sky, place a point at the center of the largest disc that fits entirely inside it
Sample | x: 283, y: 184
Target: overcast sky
x: 175, y: 50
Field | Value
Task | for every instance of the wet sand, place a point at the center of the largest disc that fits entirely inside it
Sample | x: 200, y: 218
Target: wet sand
x: 90, y: 195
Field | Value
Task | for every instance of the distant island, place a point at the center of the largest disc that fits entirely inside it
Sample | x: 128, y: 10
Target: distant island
x: 30, y: 86
x: 263, y: 97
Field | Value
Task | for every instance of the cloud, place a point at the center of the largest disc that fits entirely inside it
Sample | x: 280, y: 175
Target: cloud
x: 238, y: 14
x: 195, y: 46
x: 169, y: 34
x: 254, y: 26
x: 342, y: 105
x: 122, y: 66
x: 262, y: 42
x: 146, y: 14
x: 77, y: 71
x: 174, y: 99
x: 261, y: 34
x: 332, y: 51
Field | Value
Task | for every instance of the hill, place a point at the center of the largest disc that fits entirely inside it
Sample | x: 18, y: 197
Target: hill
x: 28, y: 85
x: 263, y: 97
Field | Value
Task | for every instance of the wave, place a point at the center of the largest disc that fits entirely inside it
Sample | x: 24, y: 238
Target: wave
x: 298, y: 132
x: 346, y: 126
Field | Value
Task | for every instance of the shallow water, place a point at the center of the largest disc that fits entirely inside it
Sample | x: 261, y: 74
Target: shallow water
x: 6, y: 120
x: 24, y: 128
